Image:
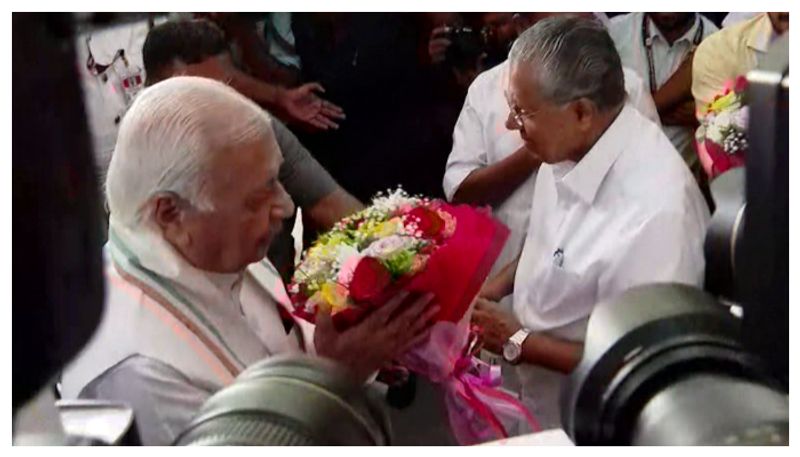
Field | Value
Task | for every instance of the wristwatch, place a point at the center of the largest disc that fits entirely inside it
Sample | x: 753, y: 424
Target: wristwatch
x: 512, y: 349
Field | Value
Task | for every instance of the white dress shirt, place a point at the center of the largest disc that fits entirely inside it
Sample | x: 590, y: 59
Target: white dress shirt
x: 626, y: 31
x: 481, y: 138
x: 628, y: 213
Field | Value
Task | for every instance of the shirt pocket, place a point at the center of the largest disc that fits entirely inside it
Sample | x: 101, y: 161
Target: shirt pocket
x: 565, y: 294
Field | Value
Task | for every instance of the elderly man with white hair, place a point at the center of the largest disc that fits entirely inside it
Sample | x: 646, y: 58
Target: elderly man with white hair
x: 614, y: 205
x: 195, y: 200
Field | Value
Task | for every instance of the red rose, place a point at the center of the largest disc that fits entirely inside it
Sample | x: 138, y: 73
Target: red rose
x: 428, y: 222
x: 740, y: 85
x: 370, y: 278
x: 721, y: 161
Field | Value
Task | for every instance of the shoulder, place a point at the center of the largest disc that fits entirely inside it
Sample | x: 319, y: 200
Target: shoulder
x: 709, y: 28
x: 728, y: 42
x: 489, y: 82
x: 286, y: 140
x: 651, y: 172
x: 632, y: 79
x: 624, y: 25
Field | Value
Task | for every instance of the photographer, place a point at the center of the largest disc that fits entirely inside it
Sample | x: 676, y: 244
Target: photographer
x: 456, y: 51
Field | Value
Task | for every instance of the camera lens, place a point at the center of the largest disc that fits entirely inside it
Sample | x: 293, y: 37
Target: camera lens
x: 291, y: 400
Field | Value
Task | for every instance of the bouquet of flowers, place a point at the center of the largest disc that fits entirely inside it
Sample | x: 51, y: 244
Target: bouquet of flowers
x: 722, y: 135
x: 420, y: 245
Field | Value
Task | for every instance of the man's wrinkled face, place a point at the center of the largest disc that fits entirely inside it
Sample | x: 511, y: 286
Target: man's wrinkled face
x: 548, y: 130
x: 249, y: 207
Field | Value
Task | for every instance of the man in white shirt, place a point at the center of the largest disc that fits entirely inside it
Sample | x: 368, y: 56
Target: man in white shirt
x: 614, y: 205
x: 489, y: 164
x: 195, y: 202
x: 659, y: 47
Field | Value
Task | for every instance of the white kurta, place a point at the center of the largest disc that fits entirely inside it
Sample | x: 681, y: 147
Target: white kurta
x: 144, y: 356
x: 628, y: 213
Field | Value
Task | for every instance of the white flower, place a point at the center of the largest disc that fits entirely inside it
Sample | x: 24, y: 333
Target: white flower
x: 723, y: 120
x: 386, y: 247
x: 393, y: 201
x: 741, y: 118
x: 344, y: 252
x: 714, y: 133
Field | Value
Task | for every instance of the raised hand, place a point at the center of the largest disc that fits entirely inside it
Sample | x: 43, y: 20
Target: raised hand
x: 401, y: 323
x: 301, y: 105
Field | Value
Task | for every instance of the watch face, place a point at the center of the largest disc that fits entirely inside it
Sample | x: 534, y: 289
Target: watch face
x: 511, y: 351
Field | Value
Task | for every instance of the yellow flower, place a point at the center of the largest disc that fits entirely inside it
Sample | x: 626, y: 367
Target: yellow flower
x: 388, y: 228
x: 722, y: 103
x: 335, y: 295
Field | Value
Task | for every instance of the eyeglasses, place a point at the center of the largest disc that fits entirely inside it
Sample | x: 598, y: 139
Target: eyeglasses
x: 518, y: 114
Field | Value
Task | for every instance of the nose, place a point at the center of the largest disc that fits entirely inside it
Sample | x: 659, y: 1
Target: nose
x: 511, y: 122
x: 284, y: 206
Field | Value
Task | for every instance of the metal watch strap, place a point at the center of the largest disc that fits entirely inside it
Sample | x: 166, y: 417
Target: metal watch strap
x: 519, y: 337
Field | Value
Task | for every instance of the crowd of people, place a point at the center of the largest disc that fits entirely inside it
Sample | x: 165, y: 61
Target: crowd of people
x: 576, y: 129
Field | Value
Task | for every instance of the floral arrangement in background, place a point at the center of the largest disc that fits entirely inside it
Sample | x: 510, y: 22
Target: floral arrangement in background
x: 722, y: 136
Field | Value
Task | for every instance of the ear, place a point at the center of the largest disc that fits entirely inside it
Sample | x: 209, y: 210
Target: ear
x: 585, y: 113
x: 167, y: 213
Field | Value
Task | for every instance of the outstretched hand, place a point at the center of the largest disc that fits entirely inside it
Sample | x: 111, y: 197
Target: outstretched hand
x: 301, y: 105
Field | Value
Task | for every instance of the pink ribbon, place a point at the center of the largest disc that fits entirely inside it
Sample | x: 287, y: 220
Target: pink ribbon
x: 472, y: 398
x: 468, y: 385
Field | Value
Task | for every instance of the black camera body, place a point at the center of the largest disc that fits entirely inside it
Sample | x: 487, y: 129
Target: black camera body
x: 467, y: 46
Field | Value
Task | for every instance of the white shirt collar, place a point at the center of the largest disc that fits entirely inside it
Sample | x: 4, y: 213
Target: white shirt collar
x: 584, y: 177
x: 761, y: 35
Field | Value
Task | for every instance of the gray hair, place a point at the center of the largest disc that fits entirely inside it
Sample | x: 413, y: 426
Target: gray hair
x: 573, y: 58
x: 168, y: 138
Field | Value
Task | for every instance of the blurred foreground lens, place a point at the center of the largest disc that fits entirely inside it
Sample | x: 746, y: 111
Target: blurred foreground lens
x: 290, y: 401
x: 663, y: 364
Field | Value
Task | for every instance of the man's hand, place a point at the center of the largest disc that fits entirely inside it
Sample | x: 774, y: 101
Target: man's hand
x: 498, y: 325
x: 385, y: 334
x: 437, y: 45
x: 302, y: 106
